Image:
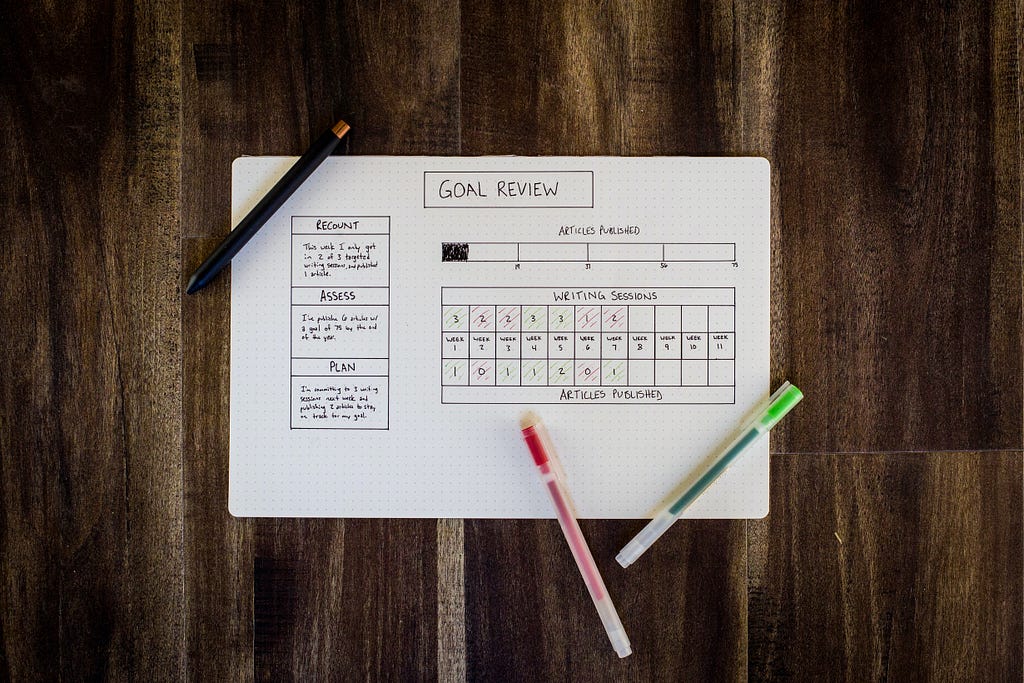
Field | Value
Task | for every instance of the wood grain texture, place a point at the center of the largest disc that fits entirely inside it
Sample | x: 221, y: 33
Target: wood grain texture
x: 898, y: 303
x: 90, y: 435
x: 583, y: 78
x: 345, y: 599
x: 619, y: 78
x: 889, y: 567
x: 331, y: 598
x: 451, y: 601
x: 218, y: 548
x: 529, y: 616
x: 894, y: 133
x: 218, y: 125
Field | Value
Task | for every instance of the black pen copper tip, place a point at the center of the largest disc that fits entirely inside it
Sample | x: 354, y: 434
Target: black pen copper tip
x: 340, y: 128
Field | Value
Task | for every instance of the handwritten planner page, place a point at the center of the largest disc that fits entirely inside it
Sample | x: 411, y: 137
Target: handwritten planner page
x: 398, y: 314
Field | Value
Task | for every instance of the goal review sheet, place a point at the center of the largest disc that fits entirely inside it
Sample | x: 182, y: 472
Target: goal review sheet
x: 396, y: 317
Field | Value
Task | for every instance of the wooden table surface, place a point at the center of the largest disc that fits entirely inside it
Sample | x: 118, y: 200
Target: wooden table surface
x: 893, y: 550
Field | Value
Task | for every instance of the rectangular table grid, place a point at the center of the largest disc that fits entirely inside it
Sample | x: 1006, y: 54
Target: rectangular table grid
x: 497, y: 352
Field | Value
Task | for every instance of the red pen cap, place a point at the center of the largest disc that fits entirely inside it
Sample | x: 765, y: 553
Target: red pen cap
x: 532, y: 436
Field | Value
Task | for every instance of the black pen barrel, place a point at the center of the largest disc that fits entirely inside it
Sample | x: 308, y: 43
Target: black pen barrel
x: 264, y: 210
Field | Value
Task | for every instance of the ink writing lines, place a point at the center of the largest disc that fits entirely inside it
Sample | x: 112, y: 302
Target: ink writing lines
x: 340, y: 322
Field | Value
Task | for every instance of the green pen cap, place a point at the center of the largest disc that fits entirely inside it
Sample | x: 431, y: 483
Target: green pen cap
x: 781, y: 402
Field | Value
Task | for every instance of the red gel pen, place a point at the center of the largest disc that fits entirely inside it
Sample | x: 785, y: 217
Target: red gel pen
x: 539, y: 443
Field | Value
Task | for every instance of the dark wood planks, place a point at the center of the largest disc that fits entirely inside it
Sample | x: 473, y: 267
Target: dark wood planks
x: 894, y: 135
x: 329, y: 597
x: 218, y: 548
x: 896, y: 307
x: 451, y: 600
x: 529, y: 616
x: 566, y: 78
x: 898, y: 295
x: 352, y: 599
x: 90, y: 434
x: 894, y: 140
x: 619, y: 79
x: 889, y: 567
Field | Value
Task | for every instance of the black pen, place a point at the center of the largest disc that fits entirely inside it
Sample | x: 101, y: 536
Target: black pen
x: 268, y: 206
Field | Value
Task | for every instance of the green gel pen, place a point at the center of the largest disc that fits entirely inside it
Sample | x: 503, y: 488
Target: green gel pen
x: 779, y: 403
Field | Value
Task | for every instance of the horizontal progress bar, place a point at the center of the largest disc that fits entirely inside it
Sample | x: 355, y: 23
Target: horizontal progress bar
x: 499, y: 252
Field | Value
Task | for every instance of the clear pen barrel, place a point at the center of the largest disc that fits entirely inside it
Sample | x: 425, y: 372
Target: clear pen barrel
x: 613, y: 626
x: 643, y: 540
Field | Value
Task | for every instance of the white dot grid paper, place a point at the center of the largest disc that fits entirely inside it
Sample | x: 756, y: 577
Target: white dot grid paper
x: 441, y: 450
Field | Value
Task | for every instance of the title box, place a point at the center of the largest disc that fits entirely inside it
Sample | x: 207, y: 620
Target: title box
x: 508, y: 189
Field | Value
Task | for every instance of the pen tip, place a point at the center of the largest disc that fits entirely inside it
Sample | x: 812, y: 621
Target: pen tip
x: 193, y: 284
x: 528, y: 419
